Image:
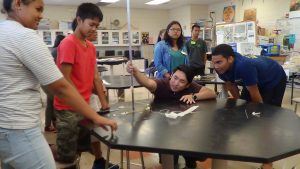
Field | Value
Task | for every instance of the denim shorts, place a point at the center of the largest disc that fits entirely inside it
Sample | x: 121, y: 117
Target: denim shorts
x: 25, y: 149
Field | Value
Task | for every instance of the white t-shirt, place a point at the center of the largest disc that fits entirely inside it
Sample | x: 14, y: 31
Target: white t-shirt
x: 25, y: 62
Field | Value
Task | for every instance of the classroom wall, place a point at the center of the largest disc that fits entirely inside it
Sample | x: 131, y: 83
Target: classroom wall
x: 183, y: 16
x: 187, y: 15
x: 218, y: 9
x: 199, y: 12
x: 142, y: 19
x: 267, y: 11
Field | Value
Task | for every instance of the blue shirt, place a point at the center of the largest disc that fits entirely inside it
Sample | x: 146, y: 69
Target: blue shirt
x: 261, y: 71
x: 163, y: 58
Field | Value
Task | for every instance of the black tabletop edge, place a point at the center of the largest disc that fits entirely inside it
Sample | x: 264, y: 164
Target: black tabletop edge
x: 127, y: 87
x: 208, y: 155
x: 289, y: 154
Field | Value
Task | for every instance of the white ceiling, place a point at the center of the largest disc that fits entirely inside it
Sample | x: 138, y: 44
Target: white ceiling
x: 137, y: 3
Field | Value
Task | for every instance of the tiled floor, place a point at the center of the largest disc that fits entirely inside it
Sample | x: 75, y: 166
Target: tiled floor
x: 151, y: 159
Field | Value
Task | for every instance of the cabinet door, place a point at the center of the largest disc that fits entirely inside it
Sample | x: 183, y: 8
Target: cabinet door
x: 58, y: 32
x: 48, y: 38
x: 125, y: 38
x: 136, y: 38
x: 96, y: 42
x: 104, y: 38
x: 115, y: 39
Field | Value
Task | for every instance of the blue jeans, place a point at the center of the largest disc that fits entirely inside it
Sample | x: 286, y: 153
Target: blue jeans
x: 25, y: 149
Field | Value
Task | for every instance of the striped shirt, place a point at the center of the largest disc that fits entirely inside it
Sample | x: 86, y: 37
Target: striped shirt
x: 25, y: 62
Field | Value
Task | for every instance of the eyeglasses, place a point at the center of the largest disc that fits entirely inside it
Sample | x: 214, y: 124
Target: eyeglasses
x: 174, y: 29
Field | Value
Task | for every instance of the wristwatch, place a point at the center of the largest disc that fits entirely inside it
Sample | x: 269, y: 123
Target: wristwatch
x: 194, y: 96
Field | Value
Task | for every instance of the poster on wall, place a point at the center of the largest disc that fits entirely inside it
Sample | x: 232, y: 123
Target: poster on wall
x: 145, y: 37
x: 229, y: 13
x: 250, y: 14
x: 295, y: 5
x: 294, y: 9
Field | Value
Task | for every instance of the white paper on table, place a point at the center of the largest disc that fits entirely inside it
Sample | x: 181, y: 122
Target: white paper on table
x: 181, y: 114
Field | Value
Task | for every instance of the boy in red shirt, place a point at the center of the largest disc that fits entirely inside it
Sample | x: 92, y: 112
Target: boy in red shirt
x: 77, y: 61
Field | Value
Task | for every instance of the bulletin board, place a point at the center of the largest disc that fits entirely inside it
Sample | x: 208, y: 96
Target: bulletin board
x: 241, y: 32
x: 241, y: 36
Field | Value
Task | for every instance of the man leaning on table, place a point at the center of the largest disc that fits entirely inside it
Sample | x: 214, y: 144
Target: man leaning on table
x: 262, y: 78
x: 180, y: 87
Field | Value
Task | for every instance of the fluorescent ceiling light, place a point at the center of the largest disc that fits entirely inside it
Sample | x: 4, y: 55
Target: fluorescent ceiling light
x: 109, y: 1
x: 157, y: 2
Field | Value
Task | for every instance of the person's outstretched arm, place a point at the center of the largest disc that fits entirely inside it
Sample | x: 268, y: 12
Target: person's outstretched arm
x: 203, y: 94
x: 141, y: 78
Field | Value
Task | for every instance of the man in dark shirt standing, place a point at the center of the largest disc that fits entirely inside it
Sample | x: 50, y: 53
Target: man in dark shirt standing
x: 196, y: 49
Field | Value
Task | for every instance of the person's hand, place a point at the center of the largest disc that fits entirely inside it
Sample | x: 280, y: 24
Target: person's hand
x: 130, y: 67
x: 105, y: 106
x: 188, y: 99
x: 105, y: 90
x: 167, y: 75
x: 104, y: 122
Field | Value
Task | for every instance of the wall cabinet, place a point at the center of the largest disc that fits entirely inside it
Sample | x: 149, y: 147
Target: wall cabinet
x: 104, y: 37
x: 118, y: 38
x: 48, y: 36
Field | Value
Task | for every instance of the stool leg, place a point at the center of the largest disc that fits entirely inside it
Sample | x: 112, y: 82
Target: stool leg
x: 107, y: 158
x: 128, y: 159
x: 296, y: 107
x: 142, y: 160
x: 121, y: 163
x: 78, y: 163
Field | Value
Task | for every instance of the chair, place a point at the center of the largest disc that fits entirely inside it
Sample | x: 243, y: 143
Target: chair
x: 296, y: 100
x: 121, y: 159
x: 127, y: 159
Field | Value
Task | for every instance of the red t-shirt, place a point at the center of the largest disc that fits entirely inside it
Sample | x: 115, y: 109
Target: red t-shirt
x: 83, y: 60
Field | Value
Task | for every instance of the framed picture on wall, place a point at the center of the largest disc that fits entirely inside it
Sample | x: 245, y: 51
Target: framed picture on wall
x: 250, y: 14
x: 294, y: 9
x: 145, y: 37
x: 295, y: 5
x: 229, y: 13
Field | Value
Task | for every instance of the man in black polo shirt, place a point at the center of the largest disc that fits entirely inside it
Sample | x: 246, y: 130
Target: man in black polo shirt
x: 179, y: 87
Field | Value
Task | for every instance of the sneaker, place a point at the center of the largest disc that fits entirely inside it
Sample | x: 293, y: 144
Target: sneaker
x: 100, y: 164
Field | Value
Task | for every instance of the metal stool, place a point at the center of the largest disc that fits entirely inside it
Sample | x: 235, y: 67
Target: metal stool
x: 296, y: 100
x: 127, y: 159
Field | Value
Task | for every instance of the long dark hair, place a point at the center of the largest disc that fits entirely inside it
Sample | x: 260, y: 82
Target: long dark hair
x: 167, y: 38
x: 7, y: 4
x: 159, y: 34
x: 58, y: 39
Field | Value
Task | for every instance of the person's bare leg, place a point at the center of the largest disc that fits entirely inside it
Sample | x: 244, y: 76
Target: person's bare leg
x: 267, y: 166
x: 96, y: 148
